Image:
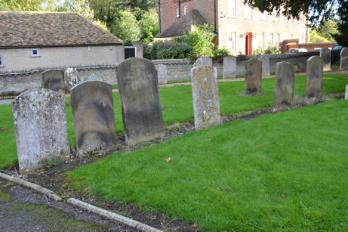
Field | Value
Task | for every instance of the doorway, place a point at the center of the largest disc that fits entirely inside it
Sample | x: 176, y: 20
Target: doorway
x: 249, y: 44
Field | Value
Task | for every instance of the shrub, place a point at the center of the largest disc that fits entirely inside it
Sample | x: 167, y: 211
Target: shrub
x: 168, y: 50
x: 268, y: 51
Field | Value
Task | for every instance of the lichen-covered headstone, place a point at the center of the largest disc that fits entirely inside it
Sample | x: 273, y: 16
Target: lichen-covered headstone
x: 162, y: 74
x: 71, y: 78
x: 253, y: 76
x: 40, y: 123
x: 206, y: 104
x: 314, y: 77
x: 266, y: 66
x: 285, y: 84
x: 229, y: 67
x: 344, y: 59
x: 94, y: 121
x: 142, y: 113
x: 203, y: 61
x: 53, y: 80
x: 325, y: 55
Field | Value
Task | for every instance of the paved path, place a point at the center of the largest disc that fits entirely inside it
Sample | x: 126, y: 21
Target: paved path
x: 22, y: 210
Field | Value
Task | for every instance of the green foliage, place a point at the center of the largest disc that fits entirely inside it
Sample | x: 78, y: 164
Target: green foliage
x: 342, y: 36
x: 268, y: 51
x: 21, y: 5
x: 328, y: 30
x: 168, y: 50
x: 126, y: 27
x: 315, y: 37
x: 221, y: 52
x: 201, y: 40
x: 149, y: 26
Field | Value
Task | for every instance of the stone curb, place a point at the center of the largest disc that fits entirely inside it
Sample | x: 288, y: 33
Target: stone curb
x: 82, y: 205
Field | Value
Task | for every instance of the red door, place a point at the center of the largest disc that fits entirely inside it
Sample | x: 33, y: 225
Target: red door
x: 249, y: 43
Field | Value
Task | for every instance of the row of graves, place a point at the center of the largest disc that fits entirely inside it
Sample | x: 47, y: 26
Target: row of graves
x: 40, y: 116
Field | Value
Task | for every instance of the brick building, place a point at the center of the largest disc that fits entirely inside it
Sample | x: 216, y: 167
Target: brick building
x: 239, y: 28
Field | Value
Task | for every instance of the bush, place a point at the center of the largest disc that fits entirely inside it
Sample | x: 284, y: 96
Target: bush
x: 268, y: 51
x: 220, y: 53
x: 168, y: 50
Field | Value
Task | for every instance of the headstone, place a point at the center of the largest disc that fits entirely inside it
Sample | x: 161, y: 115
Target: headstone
x: 71, y: 78
x: 229, y: 67
x: 203, y: 61
x: 344, y: 59
x: 205, y: 95
x: 266, y: 67
x: 53, y: 80
x: 40, y: 123
x: 139, y: 49
x: 314, y: 77
x: 162, y: 74
x: 325, y: 55
x: 285, y: 84
x: 142, y: 113
x: 346, y: 95
x: 94, y: 121
x: 253, y: 76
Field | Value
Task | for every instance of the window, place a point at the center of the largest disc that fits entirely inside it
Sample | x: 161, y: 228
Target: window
x: 35, y: 52
x: 276, y: 18
x: 248, y: 13
x: 270, y: 40
x: 232, y: 41
x: 231, y: 8
x: 185, y: 9
x: 178, y: 12
x: 263, y: 16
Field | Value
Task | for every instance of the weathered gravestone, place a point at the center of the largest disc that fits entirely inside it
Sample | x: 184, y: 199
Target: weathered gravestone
x: 53, y: 80
x: 346, y: 95
x: 40, y: 123
x: 162, y: 74
x: 344, y: 59
x: 285, y: 83
x: 203, y: 61
x: 205, y: 95
x: 71, y: 78
x: 325, y: 55
x: 314, y: 77
x: 142, y: 113
x: 229, y: 67
x: 266, y: 66
x: 253, y: 76
x: 93, y: 111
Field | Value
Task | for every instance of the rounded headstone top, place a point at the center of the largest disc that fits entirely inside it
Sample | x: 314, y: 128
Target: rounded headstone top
x: 203, y: 61
x: 315, y: 59
x: 253, y: 60
x: 91, y: 83
x: 344, y: 52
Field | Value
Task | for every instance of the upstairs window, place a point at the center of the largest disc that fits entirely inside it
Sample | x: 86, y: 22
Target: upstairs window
x: 35, y: 52
x: 248, y: 12
x: 185, y: 9
x: 231, y: 8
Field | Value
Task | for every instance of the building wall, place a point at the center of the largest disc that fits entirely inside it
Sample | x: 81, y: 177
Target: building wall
x: 14, y: 60
x: 267, y: 30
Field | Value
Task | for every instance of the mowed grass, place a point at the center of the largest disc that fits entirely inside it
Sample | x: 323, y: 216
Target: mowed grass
x: 177, y: 107
x: 282, y: 172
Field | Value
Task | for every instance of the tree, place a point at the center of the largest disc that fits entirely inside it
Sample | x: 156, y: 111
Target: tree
x: 149, y: 26
x: 22, y: 5
x: 126, y: 27
x: 317, y: 12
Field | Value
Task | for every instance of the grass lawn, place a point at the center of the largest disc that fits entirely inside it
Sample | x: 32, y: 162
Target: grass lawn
x: 281, y: 172
x: 177, y: 107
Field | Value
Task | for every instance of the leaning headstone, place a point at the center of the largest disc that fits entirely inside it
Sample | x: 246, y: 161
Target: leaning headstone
x: 253, y: 76
x: 325, y: 55
x: 205, y: 95
x: 285, y: 84
x: 40, y: 123
x: 314, y: 77
x: 346, y: 95
x: 229, y: 67
x: 142, y: 113
x: 203, y: 61
x: 94, y: 121
x: 344, y: 59
x: 266, y: 67
x: 53, y: 80
x: 71, y: 78
x: 162, y: 74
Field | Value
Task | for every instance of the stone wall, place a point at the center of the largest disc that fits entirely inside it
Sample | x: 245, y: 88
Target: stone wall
x: 178, y: 69
x: 12, y: 83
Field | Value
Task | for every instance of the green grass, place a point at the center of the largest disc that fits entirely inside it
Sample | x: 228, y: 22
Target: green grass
x: 281, y: 172
x: 177, y: 107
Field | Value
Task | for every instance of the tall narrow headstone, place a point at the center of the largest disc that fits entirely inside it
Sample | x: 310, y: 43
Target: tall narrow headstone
x: 142, y: 113
x: 253, y: 76
x: 162, y: 74
x: 285, y: 84
x: 325, y: 55
x: 93, y: 111
x: 40, y: 123
x: 344, y: 59
x: 266, y: 67
x: 346, y: 95
x: 203, y: 61
x: 71, y: 78
x: 314, y: 77
x: 205, y: 95
x: 53, y: 80
x: 229, y: 67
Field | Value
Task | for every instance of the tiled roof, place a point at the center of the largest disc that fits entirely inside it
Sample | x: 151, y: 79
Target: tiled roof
x: 184, y: 24
x: 33, y: 29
